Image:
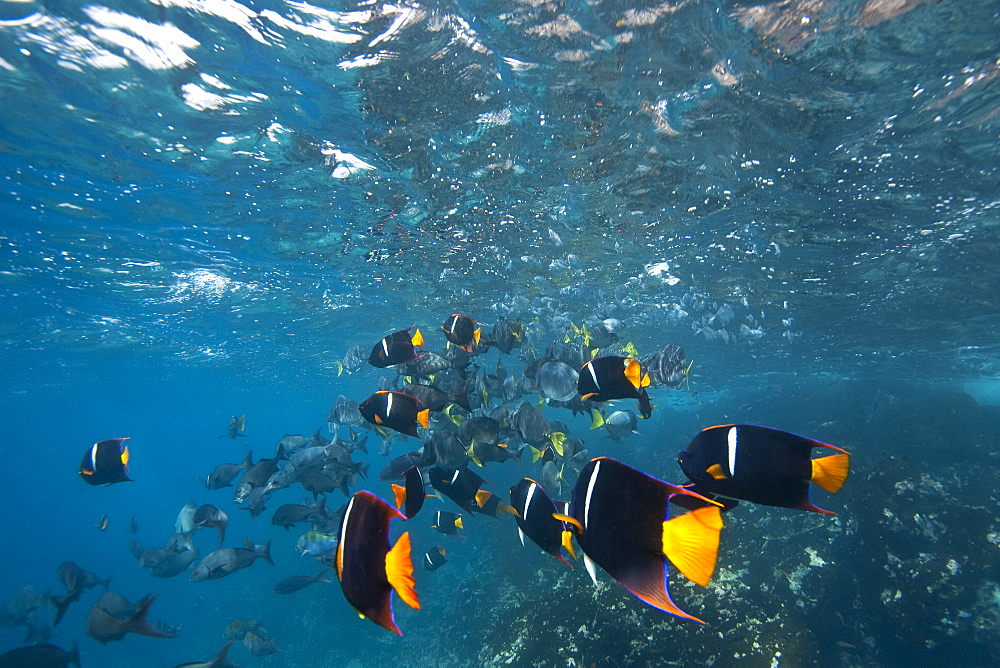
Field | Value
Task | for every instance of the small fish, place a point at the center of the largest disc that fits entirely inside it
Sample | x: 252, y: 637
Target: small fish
x: 235, y: 427
x: 398, y: 466
x: 238, y: 628
x: 317, y: 544
x: 396, y: 348
x: 208, y: 516
x: 618, y: 424
x: 447, y: 523
x: 557, y: 381
x: 435, y: 558
x: 344, y: 413
x: 460, y: 485
x: 258, y: 645
x: 299, y: 582
x: 217, y: 661
x: 505, y: 335
x: 666, y: 366
x: 112, y: 617
x: 224, y: 474
x: 619, y: 515
x: 228, y: 560
x: 410, y: 496
x: 612, y: 377
x: 367, y: 568
x: 102, y: 524
x: 40, y: 656
x: 488, y: 503
x: 762, y: 465
x: 395, y: 410
x: 291, y: 513
x: 535, y: 519
x: 462, y: 331
x: 106, y: 462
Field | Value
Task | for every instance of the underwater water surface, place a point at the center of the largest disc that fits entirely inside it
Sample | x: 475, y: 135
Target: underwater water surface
x: 205, y: 204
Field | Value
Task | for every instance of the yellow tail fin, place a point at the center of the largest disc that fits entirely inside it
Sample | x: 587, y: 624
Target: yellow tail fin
x: 830, y: 473
x: 418, y: 338
x: 596, y: 419
x: 557, y: 438
x: 691, y: 543
x: 633, y: 372
x: 399, y: 571
x: 423, y: 417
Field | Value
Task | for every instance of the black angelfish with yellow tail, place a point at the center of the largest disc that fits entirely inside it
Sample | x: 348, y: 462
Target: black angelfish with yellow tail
x: 488, y: 503
x: 367, y: 568
x: 410, y: 495
x: 761, y: 465
x: 535, y: 519
x: 462, y: 331
x: 395, y: 410
x: 622, y: 524
x: 106, y: 462
x: 397, y: 348
x: 614, y: 377
x: 459, y: 485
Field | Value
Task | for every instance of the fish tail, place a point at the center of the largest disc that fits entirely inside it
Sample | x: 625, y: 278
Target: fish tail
x: 831, y: 472
x: 265, y: 553
x: 691, y: 543
x: 140, y: 625
x: 399, y: 571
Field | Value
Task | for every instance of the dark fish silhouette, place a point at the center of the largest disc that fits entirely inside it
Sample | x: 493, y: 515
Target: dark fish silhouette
x: 40, y: 656
x: 112, y: 617
x: 621, y: 521
x: 367, y: 568
x: 396, y: 348
x: 106, y: 462
x: 761, y: 465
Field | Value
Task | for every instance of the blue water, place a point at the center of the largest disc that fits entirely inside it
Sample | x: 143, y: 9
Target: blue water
x: 205, y: 204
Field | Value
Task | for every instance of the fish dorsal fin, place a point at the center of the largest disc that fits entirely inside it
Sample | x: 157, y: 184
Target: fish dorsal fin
x: 596, y: 419
x: 400, y: 492
x: 691, y: 543
x: 247, y: 542
x: 831, y: 472
x: 418, y: 338
x: 399, y: 571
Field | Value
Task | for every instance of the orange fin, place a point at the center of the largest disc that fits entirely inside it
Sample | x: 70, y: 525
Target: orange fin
x: 504, y: 509
x: 715, y: 470
x: 477, y: 334
x: 830, y: 472
x: 567, y: 542
x: 459, y: 524
x: 417, y: 339
x: 633, y: 372
x: 400, y: 493
x: 570, y: 520
x: 378, y: 420
x: 125, y: 458
x: 691, y: 542
x: 399, y: 571
x: 423, y: 417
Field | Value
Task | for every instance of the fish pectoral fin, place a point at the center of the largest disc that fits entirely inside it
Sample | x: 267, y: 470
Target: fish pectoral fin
x: 399, y: 571
x: 572, y: 521
x: 691, y: 543
x: 831, y: 472
x: 567, y: 543
x: 715, y: 470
